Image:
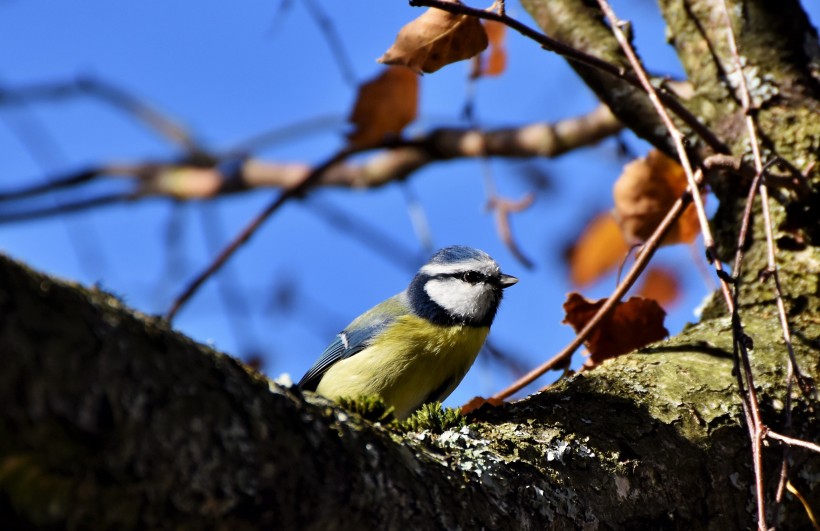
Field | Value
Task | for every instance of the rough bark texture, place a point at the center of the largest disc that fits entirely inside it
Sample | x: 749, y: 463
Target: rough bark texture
x: 111, y: 420
x: 581, y: 25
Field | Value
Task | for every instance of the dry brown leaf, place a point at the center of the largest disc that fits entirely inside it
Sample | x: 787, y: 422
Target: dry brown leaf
x: 384, y: 106
x: 477, y: 402
x: 660, y: 284
x: 599, y: 249
x: 496, y: 57
x: 645, y: 192
x: 435, y: 39
x: 632, y: 324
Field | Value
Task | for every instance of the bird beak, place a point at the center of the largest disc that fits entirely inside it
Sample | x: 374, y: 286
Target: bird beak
x: 507, y: 280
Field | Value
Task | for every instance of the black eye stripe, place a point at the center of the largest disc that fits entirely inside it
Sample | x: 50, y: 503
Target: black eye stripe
x: 472, y: 277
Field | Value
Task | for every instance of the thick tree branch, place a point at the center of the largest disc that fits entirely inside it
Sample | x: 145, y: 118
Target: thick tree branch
x: 110, y: 419
x: 188, y: 180
x: 581, y: 25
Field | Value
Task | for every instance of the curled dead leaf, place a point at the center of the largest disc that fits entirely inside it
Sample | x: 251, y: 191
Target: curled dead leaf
x: 599, y: 249
x: 632, y: 324
x: 384, y: 106
x: 436, y: 39
x: 645, y: 192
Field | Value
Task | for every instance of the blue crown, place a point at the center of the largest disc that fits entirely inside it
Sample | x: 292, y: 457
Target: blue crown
x: 458, y: 253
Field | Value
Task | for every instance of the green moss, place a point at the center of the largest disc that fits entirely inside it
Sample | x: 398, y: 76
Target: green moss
x: 431, y: 417
x: 370, y: 408
x: 434, y: 418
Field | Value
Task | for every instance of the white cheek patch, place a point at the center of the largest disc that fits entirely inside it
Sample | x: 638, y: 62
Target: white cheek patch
x: 470, y: 301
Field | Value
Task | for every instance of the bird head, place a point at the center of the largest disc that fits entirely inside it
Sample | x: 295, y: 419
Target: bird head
x: 459, y: 285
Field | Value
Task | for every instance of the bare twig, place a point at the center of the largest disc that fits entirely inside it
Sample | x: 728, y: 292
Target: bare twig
x: 52, y: 184
x: 65, y: 208
x: 514, y: 364
x: 791, y: 441
x: 418, y: 218
x: 334, y: 42
x: 741, y: 342
x: 751, y: 129
x: 674, y: 132
x: 740, y: 352
x: 301, y: 188
x: 503, y: 207
x: 108, y: 93
x: 369, y: 235
x: 234, y: 302
x: 190, y: 179
x: 288, y: 133
x: 641, y: 261
x: 582, y: 57
x: 45, y: 149
x: 772, y: 270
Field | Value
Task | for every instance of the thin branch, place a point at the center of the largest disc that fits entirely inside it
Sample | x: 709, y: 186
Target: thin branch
x: 791, y: 441
x: 235, y: 306
x: 582, y: 57
x: 110, y: 94
x: 505, y: 358
x: 334, y: 42
x: 279, y: 16
x: 54, y: 184
x: 287, y: 133
x: 418, y: 218
x: 641, y: 261
x: 300, y: 189
x: 46, y: 151
x: 503, y: 208
x: 693, y: 179
x: 677, y: 137
x: 740, y: 352
x: 772, y: 270
x: 65, y: 208
x: 370, y: 235
x: 740, y: 340
x: 192, y: 180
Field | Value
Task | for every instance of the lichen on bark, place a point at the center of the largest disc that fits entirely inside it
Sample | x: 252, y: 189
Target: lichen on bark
x: 115, y: 420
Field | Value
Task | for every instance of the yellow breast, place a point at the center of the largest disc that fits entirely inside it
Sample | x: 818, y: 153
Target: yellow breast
x: 411, y: 359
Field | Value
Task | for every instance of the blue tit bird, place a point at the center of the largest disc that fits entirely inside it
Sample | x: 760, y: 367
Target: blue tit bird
x: 416, y: 346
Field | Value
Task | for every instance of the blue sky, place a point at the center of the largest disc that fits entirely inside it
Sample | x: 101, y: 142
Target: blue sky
x: 228, y: 71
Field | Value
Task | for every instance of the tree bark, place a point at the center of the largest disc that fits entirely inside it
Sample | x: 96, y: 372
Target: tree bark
x: 112, y: 420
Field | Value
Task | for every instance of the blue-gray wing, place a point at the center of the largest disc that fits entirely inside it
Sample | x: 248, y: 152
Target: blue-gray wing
x: 355, y: 337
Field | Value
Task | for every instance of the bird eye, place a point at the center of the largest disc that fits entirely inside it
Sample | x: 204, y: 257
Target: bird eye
x: 473, y: 277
